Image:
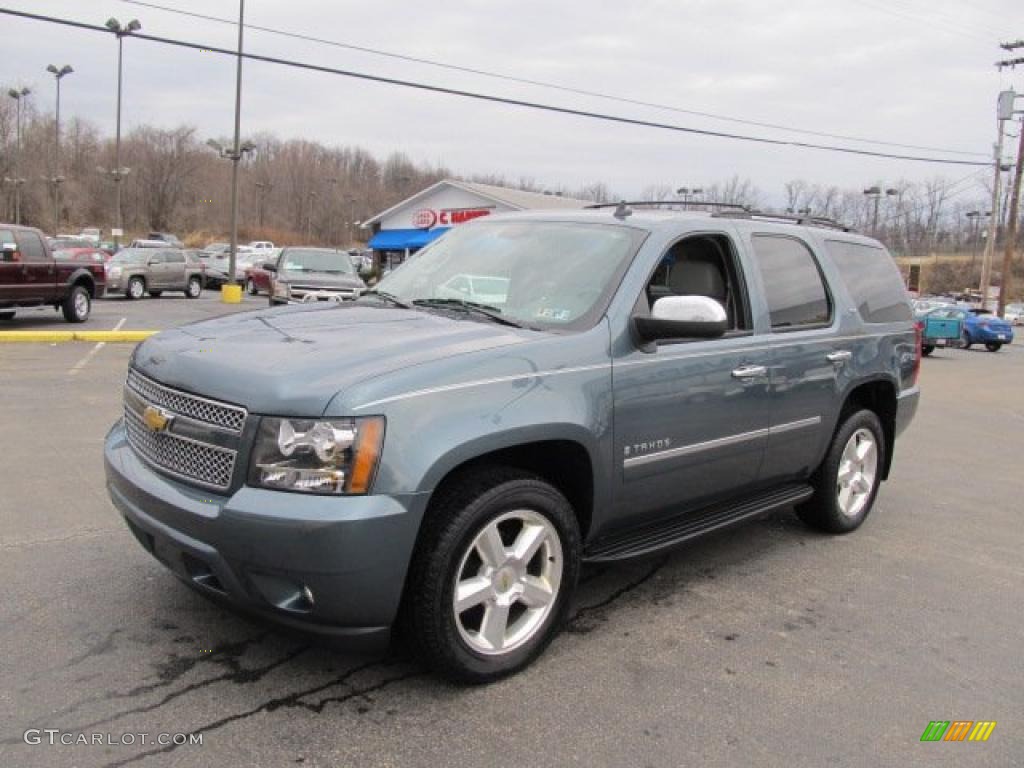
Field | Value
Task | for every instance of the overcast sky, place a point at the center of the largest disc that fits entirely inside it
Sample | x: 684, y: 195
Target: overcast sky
x: 910, y: 71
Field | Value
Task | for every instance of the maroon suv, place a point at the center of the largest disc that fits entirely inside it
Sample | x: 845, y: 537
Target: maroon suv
x: 30, y: 277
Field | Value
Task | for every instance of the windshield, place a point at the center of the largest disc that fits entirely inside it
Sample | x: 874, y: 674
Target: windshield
x: 300, y: 260
x: 552, y: 274
x: 131, y: 255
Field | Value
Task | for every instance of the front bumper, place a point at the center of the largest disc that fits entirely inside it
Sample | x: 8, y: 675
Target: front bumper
x: 260, y: 550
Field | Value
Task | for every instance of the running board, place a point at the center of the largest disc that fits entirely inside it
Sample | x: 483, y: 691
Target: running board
x: 676, y: 530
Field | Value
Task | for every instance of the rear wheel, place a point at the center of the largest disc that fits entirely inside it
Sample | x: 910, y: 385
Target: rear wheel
x: 993, y: 346
x: 194, y: 288
x: 250, y: 287
x: 927, y: 349
x: 493, y: 575
x: 136, y: 288
x: 76, y: 305
x: 846, y: 483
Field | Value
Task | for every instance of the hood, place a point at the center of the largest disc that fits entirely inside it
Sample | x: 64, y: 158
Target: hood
x: 320, y: 279
x: 292, y: 361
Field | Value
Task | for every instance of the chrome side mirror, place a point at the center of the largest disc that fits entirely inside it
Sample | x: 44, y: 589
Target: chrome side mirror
x: 682, y: 317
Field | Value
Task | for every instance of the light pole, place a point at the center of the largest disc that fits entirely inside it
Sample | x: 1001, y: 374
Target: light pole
x: 18, y: 96
x: 118, y: 172
x: 688, y: 194
x: 58, y: 75
x: 333, y: 181
x: 234, y: 155
x: 875, y: 193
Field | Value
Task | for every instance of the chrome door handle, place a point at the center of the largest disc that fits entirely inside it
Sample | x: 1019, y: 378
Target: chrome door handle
x: 839, y: 357
x: 749, y: 372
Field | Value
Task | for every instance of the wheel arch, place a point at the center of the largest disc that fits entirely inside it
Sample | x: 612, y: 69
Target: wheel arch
x: 880, y: 396
x: 84, y: 278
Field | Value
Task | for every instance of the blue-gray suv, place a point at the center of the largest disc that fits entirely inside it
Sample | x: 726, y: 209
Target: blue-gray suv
x: 441, y: 455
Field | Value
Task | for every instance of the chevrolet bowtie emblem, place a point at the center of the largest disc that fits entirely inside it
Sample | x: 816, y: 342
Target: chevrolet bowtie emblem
x: 157, y: 419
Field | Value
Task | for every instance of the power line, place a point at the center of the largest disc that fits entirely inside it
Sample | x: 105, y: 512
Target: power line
x: 948, y: 27
x: 495, y: 99
x: 544, y: 84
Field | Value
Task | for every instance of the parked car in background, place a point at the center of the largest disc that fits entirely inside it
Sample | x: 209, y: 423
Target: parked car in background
x: 31, y: 277
x: 218, y: 263
x: 982, y: 326
x: 939, y: 327
x: 212, y: 248
x: 137, y: 271
x: 96, y: 255
x: 1014, y: 314
x: 261, y: 245
x: 92, y: 234
x: 259, y: 279
x: 143, y: 243
x: 302, y: 275
x: 167, y: 238
x: 68, y: 241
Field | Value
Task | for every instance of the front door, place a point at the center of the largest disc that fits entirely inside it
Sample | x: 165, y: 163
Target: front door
x: 10, y: 267
x: 692, y: 417
x: 38, y: 274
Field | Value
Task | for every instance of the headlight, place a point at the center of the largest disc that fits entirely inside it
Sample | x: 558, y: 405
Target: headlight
x: 282, y: 289
x: 317, y: 456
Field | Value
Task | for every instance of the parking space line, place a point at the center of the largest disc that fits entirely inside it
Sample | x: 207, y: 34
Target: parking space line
x: 92, y: 352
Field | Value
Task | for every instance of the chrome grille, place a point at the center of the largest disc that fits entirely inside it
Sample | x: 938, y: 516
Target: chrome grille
x: 230, y: 417
x: 201, y: 463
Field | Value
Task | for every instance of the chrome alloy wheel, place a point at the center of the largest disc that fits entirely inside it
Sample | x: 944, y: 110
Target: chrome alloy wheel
x: 507, y: 582
x: 858, y: 469
x: 81, y: 304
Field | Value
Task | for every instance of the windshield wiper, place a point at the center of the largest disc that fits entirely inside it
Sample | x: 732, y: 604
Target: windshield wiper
x: 485, y: 310
x: 388, y: 297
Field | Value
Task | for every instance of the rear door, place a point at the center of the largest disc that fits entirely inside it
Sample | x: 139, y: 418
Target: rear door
x: 38, y: 273
x: 174, y: 269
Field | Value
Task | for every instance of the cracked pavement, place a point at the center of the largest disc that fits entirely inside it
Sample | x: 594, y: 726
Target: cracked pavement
x: 765, y: 645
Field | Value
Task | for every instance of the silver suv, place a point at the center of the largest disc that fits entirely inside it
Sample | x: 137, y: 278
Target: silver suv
x: 137, y: 271
x: 445, y: 462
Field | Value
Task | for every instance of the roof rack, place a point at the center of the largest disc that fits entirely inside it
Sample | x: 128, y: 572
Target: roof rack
x: 687, y: 203
x: 801, y: 220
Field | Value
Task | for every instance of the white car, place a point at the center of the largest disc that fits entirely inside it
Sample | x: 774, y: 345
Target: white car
x: 92, y: 234
x: 1014, y: 314
x: 261, y: 245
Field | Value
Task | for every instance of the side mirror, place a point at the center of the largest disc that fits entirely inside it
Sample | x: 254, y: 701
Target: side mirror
x: 683, y: 317
x: 9, y: 251
x: 270, y: 266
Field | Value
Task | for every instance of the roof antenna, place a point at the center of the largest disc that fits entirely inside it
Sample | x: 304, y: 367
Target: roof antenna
x: 622, y: 211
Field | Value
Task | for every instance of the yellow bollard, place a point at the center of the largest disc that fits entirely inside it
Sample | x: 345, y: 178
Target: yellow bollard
x: 231, y: 294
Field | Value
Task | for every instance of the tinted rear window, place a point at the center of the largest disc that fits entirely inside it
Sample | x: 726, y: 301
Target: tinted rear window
x: 793, y: 284
x: 873, y: 280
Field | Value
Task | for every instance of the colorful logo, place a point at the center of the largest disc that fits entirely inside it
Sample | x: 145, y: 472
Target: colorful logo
x: 424, y: 218
x: 958, y: 730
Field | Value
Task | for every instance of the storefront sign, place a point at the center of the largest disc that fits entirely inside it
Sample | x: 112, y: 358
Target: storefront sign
x: 425, y: 218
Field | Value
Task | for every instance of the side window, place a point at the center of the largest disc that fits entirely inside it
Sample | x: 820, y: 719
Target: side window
x: 7, y: 237
x: 31, y: 247
x: 702, y: 265
x: 173, y: 257
x: 873, y: 280
x: 155, y: 257
x: 793, y: 284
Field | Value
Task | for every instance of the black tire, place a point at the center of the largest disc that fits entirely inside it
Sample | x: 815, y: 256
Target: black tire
x: 194, y: 289
x: 7, y: 315
x: 135, y: 288
x: 156, y: 294
x: 250, y: 287
x: 927, y: 349
x: 456, y: 516
x: 822, y: 511
x: 76, y: 305
x: 965, y: 341
x: 993, y: 346
x: 275, y: 303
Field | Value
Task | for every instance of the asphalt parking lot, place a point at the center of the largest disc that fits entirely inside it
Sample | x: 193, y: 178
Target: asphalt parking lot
x: 766, y: 645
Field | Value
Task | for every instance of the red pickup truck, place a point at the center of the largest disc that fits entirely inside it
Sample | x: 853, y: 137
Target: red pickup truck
x: 29, y: 276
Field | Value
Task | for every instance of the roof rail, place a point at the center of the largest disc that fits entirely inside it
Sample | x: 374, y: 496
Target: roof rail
x: 696, y: 204
x: 801, y: 220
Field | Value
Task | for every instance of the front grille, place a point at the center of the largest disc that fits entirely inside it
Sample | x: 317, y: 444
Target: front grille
x: 230, y: 417
x: 200, y: 442
x: 204, y: 464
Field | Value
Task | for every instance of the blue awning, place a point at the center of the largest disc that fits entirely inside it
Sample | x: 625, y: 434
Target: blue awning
x: 400, y: 239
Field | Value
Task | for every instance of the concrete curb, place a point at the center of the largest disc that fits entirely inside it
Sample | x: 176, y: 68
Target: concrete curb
x: 56, y: 337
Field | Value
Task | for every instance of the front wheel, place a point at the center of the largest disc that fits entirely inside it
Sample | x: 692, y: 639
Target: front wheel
x: 965, y: 341
x: 250, y: 287
x: 136, y: 287
x: 77, y: 305
x: 927, y: 349
x: 493, y: 575
x: 993, y: 346
x: 846, y: 483
x: 194, y: 288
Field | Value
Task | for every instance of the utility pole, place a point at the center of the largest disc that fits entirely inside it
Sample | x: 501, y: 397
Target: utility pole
x: 58, y: 74
x: 19, y: 96
x: 1011, y: 229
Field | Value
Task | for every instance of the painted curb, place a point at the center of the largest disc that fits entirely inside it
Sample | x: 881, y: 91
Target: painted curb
x: 56, y: 337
